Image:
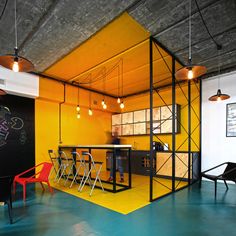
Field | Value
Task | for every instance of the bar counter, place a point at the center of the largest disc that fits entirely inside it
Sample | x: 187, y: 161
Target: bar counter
x: 114, y: 148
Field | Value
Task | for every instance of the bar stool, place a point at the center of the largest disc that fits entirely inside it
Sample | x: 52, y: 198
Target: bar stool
x: 66, y: 166
x: 92, y: 166
x: 86, y: 165
x: 82, y: 166
x: 71, y: 167
x: 55, y: 162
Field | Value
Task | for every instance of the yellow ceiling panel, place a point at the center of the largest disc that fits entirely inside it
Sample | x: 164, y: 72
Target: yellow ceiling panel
x: 119, y: 52
x: 118, y: 36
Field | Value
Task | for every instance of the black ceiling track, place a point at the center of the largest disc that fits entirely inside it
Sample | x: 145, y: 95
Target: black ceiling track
x: 71, y: 84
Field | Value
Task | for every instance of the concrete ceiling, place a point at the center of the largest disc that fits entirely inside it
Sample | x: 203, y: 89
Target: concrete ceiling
x: 50, y: 29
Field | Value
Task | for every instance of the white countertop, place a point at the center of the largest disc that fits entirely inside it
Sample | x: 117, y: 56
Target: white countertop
x: 97, y: 146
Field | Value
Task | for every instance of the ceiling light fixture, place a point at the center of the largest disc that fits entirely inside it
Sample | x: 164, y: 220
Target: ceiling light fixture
x: 118, y: 98
x: 90, y: 112
x: 219, y: 96
x: 122, y: 105
x: 190, y: 71
x: 78, y: 107
x: 14, y: 61
x: 104, y: 105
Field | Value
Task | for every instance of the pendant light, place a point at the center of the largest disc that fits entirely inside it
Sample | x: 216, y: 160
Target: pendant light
x: 118, y: 97
x: 78, y: 107
x: 104, y: 105
x: 2, y: 92
x: 14, y: 61
x: 219, y: 96
x: 122, y: 105
x: 90, y: 112
x: 190, y: 71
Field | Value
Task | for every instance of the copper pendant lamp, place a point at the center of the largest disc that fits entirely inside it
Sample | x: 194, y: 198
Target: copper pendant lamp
x: 218, y: 96
x: 14, y: 61
x: 2, y: 92
x: 190, y: 71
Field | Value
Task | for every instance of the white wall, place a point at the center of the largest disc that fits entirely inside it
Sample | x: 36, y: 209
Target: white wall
x: 216, y: 147
x: 21, y: 84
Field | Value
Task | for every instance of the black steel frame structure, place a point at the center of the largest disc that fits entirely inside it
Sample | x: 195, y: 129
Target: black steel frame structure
x: 154, y: 90
x: 154, y: 44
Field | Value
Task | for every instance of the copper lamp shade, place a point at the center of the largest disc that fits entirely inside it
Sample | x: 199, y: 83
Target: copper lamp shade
x: 24, y: 64
x: 196, y: 72
x: 219, y: 96
x: 2, y: 92
x: 14, y: 61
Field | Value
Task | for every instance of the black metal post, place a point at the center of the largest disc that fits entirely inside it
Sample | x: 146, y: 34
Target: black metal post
x: 129, y: 163
x: 173, y: 123
x: 189, y: 129
x: 200, y: 141
x: 151, y: 117
x: 60, y: 136
x: 114, y: 170
x: 74, y: 159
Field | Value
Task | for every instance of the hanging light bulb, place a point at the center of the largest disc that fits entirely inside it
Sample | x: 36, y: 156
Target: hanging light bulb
x: 103, y: 102
x: 78, y: 116
x: 104, y: 106
x: 90, y: 112
x: 15, y: 66
x: 190, y: 71
x: 118, y: 100
x: 122, y: 105
x: 78, y: 108
x: 14, y: 61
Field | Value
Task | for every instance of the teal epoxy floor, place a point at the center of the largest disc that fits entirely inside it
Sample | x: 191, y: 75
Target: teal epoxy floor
x: 188, y: 212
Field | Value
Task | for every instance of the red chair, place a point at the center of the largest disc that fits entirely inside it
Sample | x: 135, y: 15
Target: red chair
x: 40, y: 176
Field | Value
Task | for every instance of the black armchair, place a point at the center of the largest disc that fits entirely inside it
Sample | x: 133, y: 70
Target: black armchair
x: 228, y: 174
x: 5, y: 193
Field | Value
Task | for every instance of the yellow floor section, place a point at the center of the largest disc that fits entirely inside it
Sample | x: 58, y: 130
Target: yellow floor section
x: 123, y: 202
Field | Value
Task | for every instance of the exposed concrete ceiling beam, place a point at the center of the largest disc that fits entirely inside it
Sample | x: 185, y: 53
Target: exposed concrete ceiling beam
x: 184, y: 19
x: 41, y: 21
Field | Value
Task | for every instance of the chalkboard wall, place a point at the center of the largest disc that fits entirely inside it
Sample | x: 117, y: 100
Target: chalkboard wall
x: 17, y: 135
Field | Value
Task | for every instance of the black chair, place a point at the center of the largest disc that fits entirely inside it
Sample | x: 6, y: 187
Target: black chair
x: 5, y: 193
x: 228, y: 174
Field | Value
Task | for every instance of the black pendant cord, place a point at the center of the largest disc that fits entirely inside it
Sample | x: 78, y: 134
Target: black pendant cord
x: 190, y: 33
x: 204, y: 23
x: 4, y: 8
x: 15, y: 27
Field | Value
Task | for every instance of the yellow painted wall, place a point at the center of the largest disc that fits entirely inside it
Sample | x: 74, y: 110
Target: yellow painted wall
x: 86, y: 130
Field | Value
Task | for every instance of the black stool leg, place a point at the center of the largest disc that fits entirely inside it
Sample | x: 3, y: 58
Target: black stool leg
x: 215, y: 187
x: 200, y: 182
x: 226, y: 185
x: 9, y: 205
